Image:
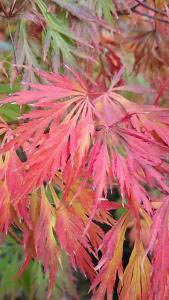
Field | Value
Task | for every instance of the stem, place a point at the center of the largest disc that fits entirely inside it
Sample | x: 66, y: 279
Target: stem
x: 143, y: 4
x: 151, y: 17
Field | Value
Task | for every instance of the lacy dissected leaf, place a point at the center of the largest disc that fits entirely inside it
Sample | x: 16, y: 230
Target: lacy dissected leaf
x: 45, y: 241
x: 136, y: 279
x: 73, y: 216
x: 158, y: 247
x: 111, y: 262
x: 79, y: 11
x: 39, y: 238
x: 11, y: 211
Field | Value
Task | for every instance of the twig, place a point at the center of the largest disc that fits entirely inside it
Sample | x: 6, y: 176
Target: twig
x: 127, y: 12
x: 142, y: 3
x: 151, y: 17
x: 145, y: 5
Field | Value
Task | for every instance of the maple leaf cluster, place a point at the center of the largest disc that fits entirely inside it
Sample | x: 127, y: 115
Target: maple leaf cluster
x: 86, y: 132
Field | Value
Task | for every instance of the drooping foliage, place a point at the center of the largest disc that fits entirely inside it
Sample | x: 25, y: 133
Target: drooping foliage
x: 88, y: 113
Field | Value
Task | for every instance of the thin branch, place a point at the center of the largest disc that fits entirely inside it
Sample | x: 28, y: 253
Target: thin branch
x: 151, y: 17
x: 127, y: 12
x: 136, y: 5
x: 145, y: 5
x: 142, y: 3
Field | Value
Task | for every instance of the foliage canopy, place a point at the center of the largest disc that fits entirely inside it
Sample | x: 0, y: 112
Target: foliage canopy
x: 84, y: 110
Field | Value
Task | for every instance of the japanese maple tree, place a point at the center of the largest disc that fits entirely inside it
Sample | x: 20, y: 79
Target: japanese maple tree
x: 92, y: 81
